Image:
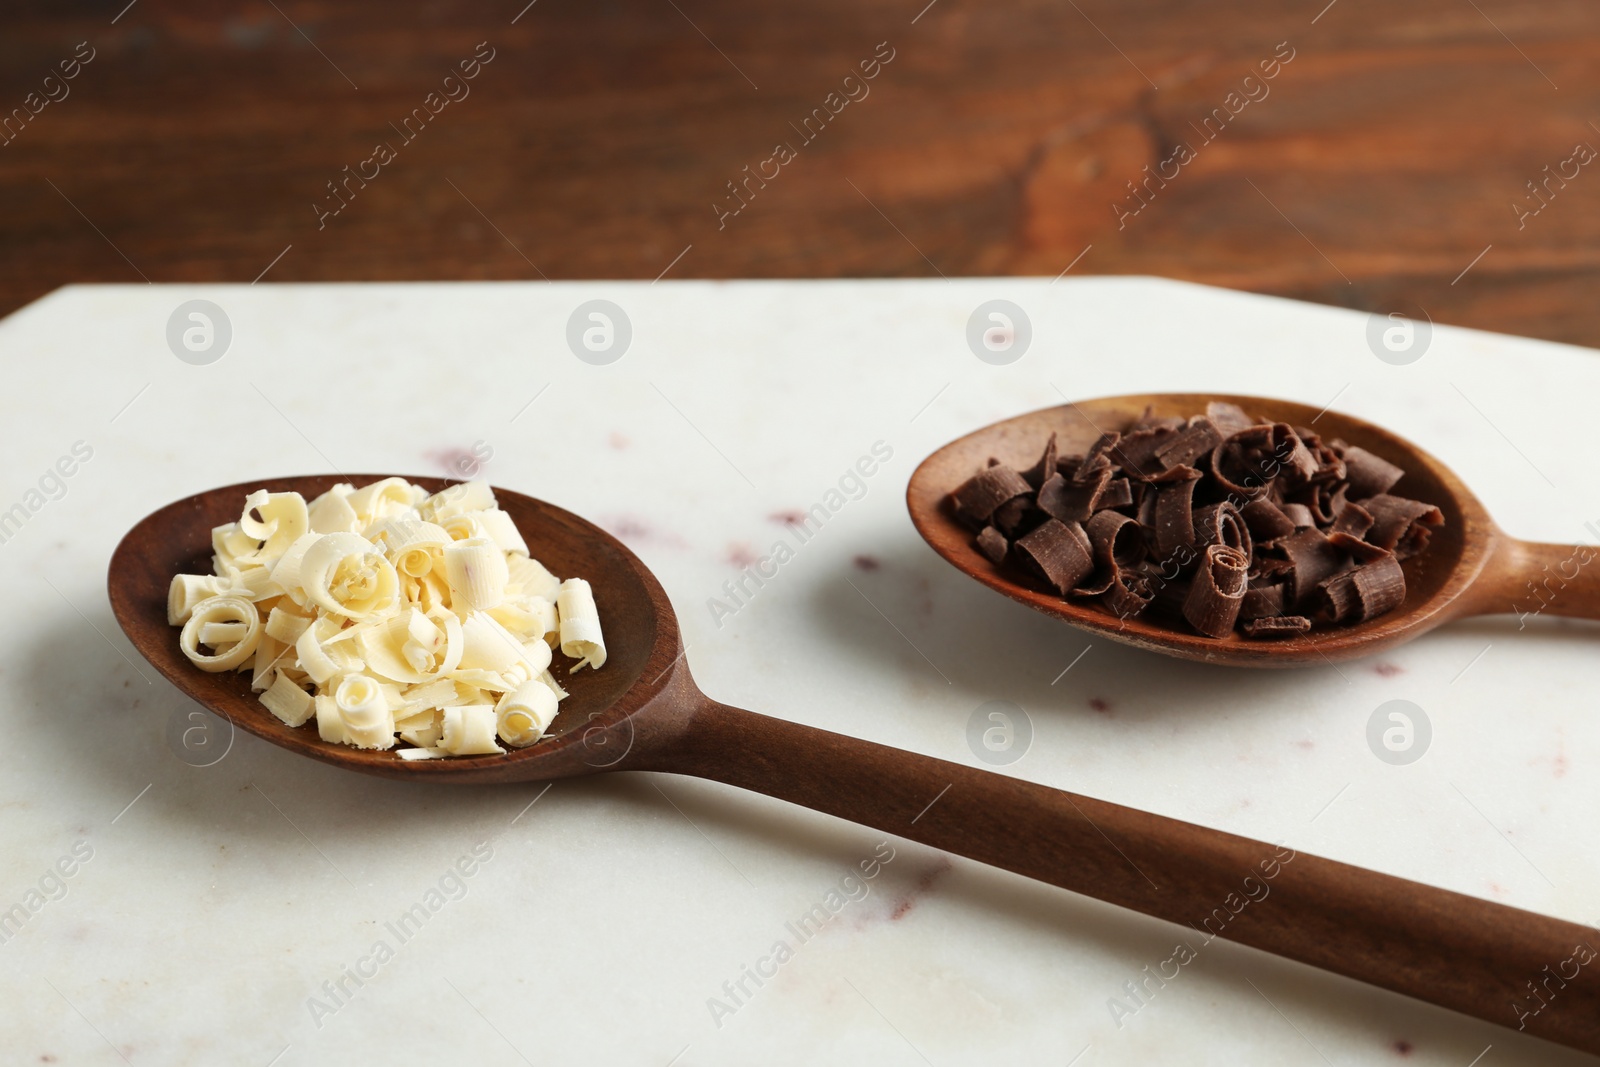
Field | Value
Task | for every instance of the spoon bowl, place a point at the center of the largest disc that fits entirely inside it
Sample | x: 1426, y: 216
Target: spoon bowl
x: 643, y: 712
x: 594, y: 726
x: 1470, y: 566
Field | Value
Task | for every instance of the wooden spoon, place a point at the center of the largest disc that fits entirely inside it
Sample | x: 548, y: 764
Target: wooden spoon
x: 642, y: 711
x: 1471, y: 566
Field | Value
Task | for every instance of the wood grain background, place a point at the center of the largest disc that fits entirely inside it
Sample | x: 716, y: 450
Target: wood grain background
x: 1382, y: 162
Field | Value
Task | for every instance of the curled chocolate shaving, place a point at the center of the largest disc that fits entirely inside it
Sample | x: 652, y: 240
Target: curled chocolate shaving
x: 1369, y: 475
x: 1136, y: 452
x: 1298, y: 514
x: 1261, y: 600
x: 1151, y: 421
x: 1236, y: 463
x: 1212, y: 606
x: 1364, y: 593
x: 1221, y: 524
x: 1059, y: 553
x: 1196, y: 439
x: 1267, y: 521
x: 1323, y: 500
x: 1036, y: 475
x: 1314, y: 561
x: 1117, y: 540
x: 993, y: 543
x: 1118, y: 494
x: 981, y: 495
x: 1330, y: 462
x: 1278, y: 626
x: 1074, y: 500
x: 1009, y: 516
x: 1229, y: 419
x: 1172, y: 514
x: 1128, y: 595
x: 1354, y: 520
x: 1401, y: 525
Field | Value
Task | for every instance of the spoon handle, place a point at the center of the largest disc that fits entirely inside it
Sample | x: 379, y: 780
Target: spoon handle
x: 1497, y: 963
x: 1527, y: 578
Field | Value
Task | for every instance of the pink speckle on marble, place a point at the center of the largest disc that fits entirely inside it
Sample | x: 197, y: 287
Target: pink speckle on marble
x: 1305, y: 743
x: 740, y: 554
x: 618, y: 441
x: 635, y: 531
x: 925, y: 882
x: 456, y: 462
x: 1100, y: 704
x: 789, y: 517
x: 1388, y: 670
x: 866, y: 563
x: 1402, y: 1047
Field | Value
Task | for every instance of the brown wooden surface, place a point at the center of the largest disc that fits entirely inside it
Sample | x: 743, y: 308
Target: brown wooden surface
x: 1384, y: 159
x: 1457, y: 951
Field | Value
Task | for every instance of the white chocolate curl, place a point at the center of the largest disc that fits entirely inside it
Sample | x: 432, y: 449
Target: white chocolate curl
x: 524, y: 715
x: 456, y: 499
x: 531, y: 577
x: 364, y: 712
x: 283, y: 520
x: 221, y: 609
x: 580, y: 624
x: 188, y: 590
x: 389, y: 617
x: 345, y: 574
x: 413, y: 546
x: 476, y: 571
x: 470, y: 731
x: 289, y: 702
x: 499, y: 528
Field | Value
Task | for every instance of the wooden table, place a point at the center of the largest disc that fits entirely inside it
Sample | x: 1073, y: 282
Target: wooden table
x: 1380, y: 167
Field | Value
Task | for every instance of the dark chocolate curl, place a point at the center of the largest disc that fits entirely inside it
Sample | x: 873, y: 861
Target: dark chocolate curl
x: 1314, y: 559
x: 1118, y: 494
x: 1267, y: 521
x: 1075, y: 500
x: 1150, y: 420
x: 1278, y: 626
x: 1298, y: 514
x: 1228, y: 418
x: 1330, y: 467
x: 1261, y: 601
x: 1221, y: 524
x: 992, y: 543
x: 1188, y: 444
x: 1008, y: 516
x: 1136, y: 452
x: 1046, y: 466
x: 1212, y: 606
x: 1401, y: 525
x: 1172, y: 517
x: 1354, y: 520
x: 1369, y: 475
x: 1117, y: 540
x: 1291, y: 453
x: 981, y: 495
x: 1242, y: 464
x: 1099, y: 454
x: 1364, y: 593
x: 1059, y: 553
x: 1128, y: 595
